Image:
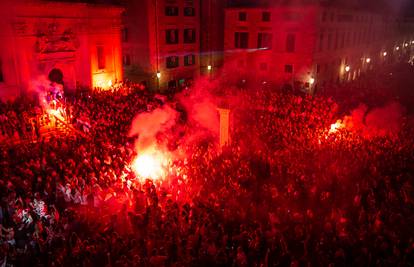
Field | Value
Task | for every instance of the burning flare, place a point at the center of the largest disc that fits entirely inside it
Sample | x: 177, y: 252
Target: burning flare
x: 335, y: 126
x: 150, y: 165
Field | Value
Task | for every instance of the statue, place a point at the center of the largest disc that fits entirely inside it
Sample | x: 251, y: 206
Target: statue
x: 52, y: 41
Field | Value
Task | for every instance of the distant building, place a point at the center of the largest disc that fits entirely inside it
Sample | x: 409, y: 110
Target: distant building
x: 73, y: 43
x: 161, y: 42
x: 308, y: 46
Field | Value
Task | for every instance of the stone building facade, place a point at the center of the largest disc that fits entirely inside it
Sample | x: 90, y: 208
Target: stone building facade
x: 72, y: 44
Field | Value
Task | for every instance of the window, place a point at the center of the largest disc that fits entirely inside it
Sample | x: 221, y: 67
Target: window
x: 125, y: 35
x: 189, y: 11
x: 324, y: 15
x: 264, y: 40
x: 242, y: 16
x: 1, y: 72
x: 336, y: 41
x: 189, y: 60
x: 241, y: 39
x: 290, y: 43
x: 189, y: 36
x: 266, y: 16
x: 172, y: 36
x: 321, y: 38
x: 329, y: 41
x: 172, y: 62
x: 171, y: 11
x: 101, y: 57
x: 126, y: 60
x: 288, y: 68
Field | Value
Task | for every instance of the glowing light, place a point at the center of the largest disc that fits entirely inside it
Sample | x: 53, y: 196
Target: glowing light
x: 412, y: 42
x: 149, y: 165
x: 405, y: 44
x: 335, y: 126
x: 384, y: 54
x: 368, y: 60
x: 158, y: 74
x: 347, y: 68
x: 102, y: 81
x: 209, y: 67
x: 311, y: 80
x: 397, y: 48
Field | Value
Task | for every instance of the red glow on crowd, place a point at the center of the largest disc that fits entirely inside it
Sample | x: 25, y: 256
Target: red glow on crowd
x: 336, y: 126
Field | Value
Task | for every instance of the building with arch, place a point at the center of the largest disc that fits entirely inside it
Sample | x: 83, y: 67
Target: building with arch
x: 74, y: 44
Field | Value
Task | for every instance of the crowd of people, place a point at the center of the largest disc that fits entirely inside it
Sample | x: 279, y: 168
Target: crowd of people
x: 285, y: 192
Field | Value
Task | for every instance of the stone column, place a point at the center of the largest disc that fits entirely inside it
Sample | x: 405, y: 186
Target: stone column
x: 224, y: 126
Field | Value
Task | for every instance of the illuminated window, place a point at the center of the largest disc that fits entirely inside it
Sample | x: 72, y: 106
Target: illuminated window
x: 288, y: 68
x: 172, y: 36
x: 189, y: 11
x: 189, y: 36
x: 172, y: 62
x: 101, y: 57
x: 241, y: 39
x: 171, y: 11
x: 264, y: 40
x: 266, y: 16
x: 242, y: 16
x: 290, y: 43
x: 189, y: 60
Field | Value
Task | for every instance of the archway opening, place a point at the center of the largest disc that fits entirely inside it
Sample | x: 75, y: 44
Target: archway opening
x: 56, y: 76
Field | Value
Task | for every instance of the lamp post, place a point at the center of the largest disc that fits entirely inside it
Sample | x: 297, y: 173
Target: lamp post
x: 158, y: 79
x: 209, y: 69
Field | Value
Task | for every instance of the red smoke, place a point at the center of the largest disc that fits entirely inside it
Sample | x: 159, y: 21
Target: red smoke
x: 201, y: 105
x: 147, y: 125
x: 379, y: 121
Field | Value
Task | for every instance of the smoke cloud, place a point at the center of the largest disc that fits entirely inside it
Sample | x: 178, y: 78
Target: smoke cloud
x: 379, y: 121
x: 147, y: 125
x: 201, y: 106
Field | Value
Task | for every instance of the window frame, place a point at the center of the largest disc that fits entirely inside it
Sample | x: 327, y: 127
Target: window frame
x: 168, y: 62
x: 174, y: 14
x: 167, y: 35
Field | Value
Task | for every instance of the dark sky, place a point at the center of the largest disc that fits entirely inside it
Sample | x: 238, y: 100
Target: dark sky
x: 401, y: 6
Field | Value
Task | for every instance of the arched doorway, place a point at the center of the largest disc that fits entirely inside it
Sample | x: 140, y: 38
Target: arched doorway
x: 56, y: 76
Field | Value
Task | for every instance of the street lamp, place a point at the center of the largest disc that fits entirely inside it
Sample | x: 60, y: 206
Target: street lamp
x: 158, y: 74
x: 368, y: 60
x: 311, y: 80
x: 397, y: 48
x: 347, y: 68
x: 384, y: 54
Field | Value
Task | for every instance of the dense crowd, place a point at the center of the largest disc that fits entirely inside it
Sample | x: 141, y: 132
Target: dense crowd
x: 286, y: 192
